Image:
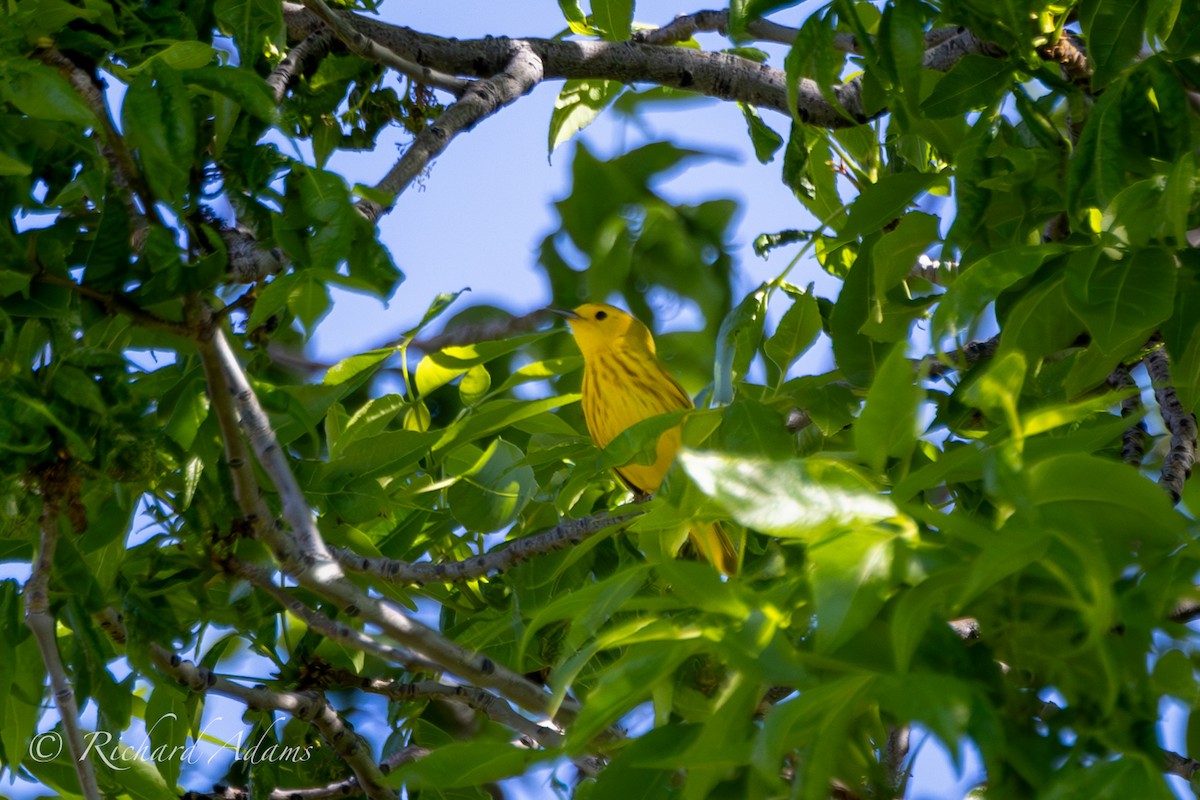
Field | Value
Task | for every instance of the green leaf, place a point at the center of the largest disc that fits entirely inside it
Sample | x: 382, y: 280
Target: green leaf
x: 614, y: 18
x: 157, y: 119
x: 1114, y: 30
x: 254, y: 24
x: 766, y: 141
x: 178, y: 56
x: 808, y: 499
x: 1041, y: 322
x: 11, y: 167
x: 189, y: 413
x: 852, y: 577
x: 1121, y: 302
x: 492, y: 487
x: 882, y: 202
x: 749, y: 427
x: 475, y: 385
x: 575, y: 18
x: 902, y: 34
x: 796, y: 332
x: 40, y: 92
x: 349, y: 368
x: 974, y: 82
x: 310, y: 301
x: 242, y: 86
x: 463, y: 764
x: 737, y: 342
x: 997, y: 391
x: 1181, y: 334
x: 857, y: 356
x: 438, y: 369
x: 817, y: 719
x: 579, y: 103
x: 1132, y: 776
x: 435, y: 310
x: 896, y: 252
x: 888, y: 423
x: 1108, y: 495
x: 808, y: 170
x: 981, y: 282
x: 385, y: 453
x: 79, y: 388
x: 625, y: 684
x: 1096, y: 171
x: 167, y: 721
x: 589, y: 607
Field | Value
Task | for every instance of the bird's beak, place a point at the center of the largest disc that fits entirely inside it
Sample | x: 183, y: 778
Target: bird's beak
x: 564, y: 313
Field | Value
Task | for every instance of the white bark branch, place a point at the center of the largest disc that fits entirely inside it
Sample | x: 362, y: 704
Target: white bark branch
x: 41, y: 622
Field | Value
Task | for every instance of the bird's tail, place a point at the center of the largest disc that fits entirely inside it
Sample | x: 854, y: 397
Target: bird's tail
x: 714, y: 544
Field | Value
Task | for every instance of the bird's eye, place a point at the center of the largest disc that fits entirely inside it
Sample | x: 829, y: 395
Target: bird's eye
x: 601, y: 315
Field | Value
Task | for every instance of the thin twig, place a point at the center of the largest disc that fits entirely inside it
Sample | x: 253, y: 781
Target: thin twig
x: 364, y: 46
x: 567, y: 533
x: 116, y: 303
x: 41, y: 622
x: 331, y: 629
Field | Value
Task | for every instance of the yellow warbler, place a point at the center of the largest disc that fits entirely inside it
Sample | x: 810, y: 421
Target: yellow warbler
x: 624, y: 382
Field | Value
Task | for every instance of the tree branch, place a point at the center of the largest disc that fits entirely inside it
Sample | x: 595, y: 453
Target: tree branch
x: 1175, y: 764
x: 970, y: 355
x: 331, y: 629
x: 1133, y: 440
x: 685, y: 26
x: 112, y: 145
x: 481, y: 700
x: 116, y: 304
x: 895, y: 756
x: 311, y: 707
x: 1177, y: 465
x: 41, y: 622
x: 567, y: 533
x: 721, y: 75
x: 299, y: 60
x: 479, y: 100
x: 367, y: 48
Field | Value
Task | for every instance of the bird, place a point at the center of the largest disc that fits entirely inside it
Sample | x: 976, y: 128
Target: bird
x: 625, y: 382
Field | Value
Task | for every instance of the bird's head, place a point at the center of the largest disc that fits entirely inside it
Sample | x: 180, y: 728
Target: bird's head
x: 600, y: 328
